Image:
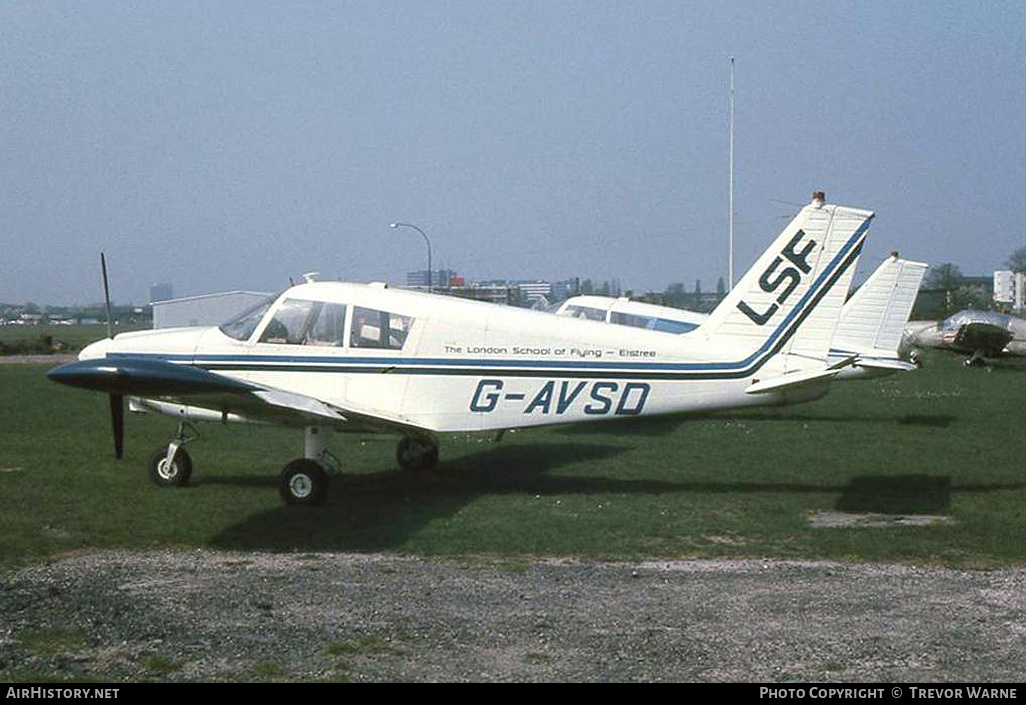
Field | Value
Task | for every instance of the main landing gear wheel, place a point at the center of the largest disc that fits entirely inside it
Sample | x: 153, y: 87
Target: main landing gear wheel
x: 304, y: 482
x: 173, y: 474
x: 416, y: 454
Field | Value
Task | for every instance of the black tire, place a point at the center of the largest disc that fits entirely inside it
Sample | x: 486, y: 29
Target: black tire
x: 177, y: 474
x: 304, y: 482
x: 416, y: 454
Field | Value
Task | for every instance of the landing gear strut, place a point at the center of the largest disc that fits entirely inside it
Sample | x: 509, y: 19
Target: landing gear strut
x: 977, y: 360
x: 171, y: 466
x: 305, y: 481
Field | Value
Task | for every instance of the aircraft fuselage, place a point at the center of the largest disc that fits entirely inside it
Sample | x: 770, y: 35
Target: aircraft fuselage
x: 465, y: 365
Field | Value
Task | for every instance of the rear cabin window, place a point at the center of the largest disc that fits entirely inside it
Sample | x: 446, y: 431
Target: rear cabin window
x: 301, y: 322
x: 629, y: 319
x: 378, y: 329
x: 677, y: 327
x: 664, y: 325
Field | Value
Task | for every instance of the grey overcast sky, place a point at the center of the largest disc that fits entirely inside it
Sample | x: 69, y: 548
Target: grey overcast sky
x: 228, y: 145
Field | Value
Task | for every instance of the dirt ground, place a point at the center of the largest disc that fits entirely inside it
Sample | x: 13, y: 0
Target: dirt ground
x: 204, y: 615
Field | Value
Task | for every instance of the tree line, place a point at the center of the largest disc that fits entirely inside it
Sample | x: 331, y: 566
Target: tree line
x: 946, y: 289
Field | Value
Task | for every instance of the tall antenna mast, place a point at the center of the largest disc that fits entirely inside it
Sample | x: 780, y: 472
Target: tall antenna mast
x: 730, y: 215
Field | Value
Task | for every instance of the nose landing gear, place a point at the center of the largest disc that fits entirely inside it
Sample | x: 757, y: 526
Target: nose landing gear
x: 171, y: 466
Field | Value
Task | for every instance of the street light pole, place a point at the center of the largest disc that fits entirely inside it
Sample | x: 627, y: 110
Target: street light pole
x: 428, y: 242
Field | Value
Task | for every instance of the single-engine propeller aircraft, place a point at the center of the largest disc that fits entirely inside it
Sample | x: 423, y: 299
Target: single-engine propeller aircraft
x: 979, y: 334
x: 330, y: 356
x: 871, y: 325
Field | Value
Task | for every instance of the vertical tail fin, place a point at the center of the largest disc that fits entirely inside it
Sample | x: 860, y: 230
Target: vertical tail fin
x: 875, y: 317
x: 790, y: 301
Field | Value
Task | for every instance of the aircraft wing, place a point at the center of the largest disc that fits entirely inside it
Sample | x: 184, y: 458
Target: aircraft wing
x: 192, y: 386
x: 981, y: 336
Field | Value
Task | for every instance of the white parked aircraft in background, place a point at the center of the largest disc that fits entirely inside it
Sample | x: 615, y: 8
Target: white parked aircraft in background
x: 329, y: 356
x: 637, y: 314
x: 870, y: 329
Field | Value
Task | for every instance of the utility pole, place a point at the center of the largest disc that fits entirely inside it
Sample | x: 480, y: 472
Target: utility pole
x: 730, y: 216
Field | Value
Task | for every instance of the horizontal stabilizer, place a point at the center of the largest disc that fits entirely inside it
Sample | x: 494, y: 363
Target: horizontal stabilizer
x: 877, y: 363
x: 790, y: 381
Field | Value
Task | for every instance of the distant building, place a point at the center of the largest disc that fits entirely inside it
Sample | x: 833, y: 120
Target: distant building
x: 203, y: 310
x: 440, y: 278
x: 495, y: 291
x: 534, y: 290
x: 493, y: 295
x: 1010, y: 289
x: 518, y: 292
x: 564, y: 289
x: 161, y: 292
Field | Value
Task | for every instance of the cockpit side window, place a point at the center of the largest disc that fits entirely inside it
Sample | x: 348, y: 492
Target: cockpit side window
x: 290, y: 322
x: 630, y: 319
x: 328, y: 326
x: 242, y: 325
x: 378, y: 329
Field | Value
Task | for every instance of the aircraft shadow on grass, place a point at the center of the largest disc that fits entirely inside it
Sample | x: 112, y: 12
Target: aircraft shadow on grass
x: 667, y: 425
x: 933, y: 420
x: 380, y: 511
x: 901, y: 494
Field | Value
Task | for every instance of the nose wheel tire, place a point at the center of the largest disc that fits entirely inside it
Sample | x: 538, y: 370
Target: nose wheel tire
x: 416, y: 454
x: 173, y: 474
x: 304, y: 482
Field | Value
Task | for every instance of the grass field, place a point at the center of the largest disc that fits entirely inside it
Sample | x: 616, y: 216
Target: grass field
x: 70, y: 338
x: 941, y: 441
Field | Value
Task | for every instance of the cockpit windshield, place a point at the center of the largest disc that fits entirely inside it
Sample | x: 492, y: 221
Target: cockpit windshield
x: 968, y: 316
x: 242, y: 325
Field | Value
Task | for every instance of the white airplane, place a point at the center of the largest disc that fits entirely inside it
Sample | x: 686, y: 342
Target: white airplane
x: 870, y: 328
x: 329, y: 356
x: 637, y: 314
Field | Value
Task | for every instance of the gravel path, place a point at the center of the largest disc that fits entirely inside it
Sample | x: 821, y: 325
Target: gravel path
x: 56, y: 359
x: 246, y: 616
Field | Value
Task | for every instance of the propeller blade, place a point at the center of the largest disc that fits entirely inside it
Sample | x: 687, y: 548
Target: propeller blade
x: 117, y: 422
